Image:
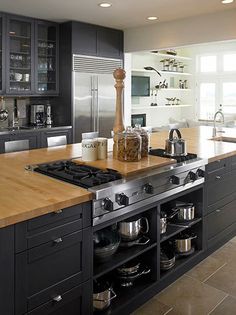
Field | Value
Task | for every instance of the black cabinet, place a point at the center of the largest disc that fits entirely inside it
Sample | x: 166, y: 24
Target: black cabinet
x: 7, y: 270
x: 19, y: 55
x: 43, y: 272
x: 92, y: 40
x: 46, y: 58
x: 29, y: 56
x: 2, y: 52
x: 76, y: 301
x: 220, y: 197
x: 84, y: 38
x: 109, y: 43
x: 56, y: 137
x: 19, y: 142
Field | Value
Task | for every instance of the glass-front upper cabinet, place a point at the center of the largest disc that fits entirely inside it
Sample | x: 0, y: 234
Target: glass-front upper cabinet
x: 46, y: 58
x: 2, y: 54
x: 20, y: 38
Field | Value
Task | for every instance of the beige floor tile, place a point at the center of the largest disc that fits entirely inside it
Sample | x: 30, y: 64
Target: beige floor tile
x: 153, y: 307
x: 227, y: 307
x: 226, y: 253
x: 189, y: 296
x: 225, y: 279
x: 233, y: 239
x: 205, y: 269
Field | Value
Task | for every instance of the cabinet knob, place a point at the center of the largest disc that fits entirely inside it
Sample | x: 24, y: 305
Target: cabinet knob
x: 57, y: 240
x: 218, y: 210
x: 57, y: 298
x: 218, y: 177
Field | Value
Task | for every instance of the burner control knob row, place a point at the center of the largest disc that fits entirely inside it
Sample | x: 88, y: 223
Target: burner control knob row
x: 200, y: 173
x: 107, y: 204
x: 148, y: 188
x: 175, y: 180
x: 122, y: 199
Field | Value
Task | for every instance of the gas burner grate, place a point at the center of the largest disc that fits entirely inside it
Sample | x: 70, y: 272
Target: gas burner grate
x: 78, y: 174
x: 161, y: 153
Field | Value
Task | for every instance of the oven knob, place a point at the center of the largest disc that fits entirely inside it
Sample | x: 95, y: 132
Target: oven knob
x: 148, y: 188
x: 122, y: 199
x: 200, y: 173
x: 175, y: 180
x: 107, y: 204
x: 192, y: 176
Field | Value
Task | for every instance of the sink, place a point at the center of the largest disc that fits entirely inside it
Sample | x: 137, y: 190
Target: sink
x: 224, y: 139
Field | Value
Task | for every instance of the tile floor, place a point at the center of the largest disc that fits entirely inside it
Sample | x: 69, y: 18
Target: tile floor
x: 208, y: 289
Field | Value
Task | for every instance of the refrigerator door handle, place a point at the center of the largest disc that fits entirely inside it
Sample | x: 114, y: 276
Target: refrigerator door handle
x: 93, y: 103
x: 96, y: 104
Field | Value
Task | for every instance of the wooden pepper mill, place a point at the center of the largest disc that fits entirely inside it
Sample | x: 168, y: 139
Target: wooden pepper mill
x: 119, y: 75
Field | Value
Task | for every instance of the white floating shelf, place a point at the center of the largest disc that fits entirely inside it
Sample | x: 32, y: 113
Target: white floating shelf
x: 173, y: 89
x: 160, y: 106
x: 161, y: 71
x: 172, y: 56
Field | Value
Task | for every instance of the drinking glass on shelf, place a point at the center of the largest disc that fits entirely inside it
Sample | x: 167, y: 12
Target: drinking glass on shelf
x: 169, y: 99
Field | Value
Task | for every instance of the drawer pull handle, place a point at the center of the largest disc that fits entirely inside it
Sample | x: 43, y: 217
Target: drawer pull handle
x: 218, y: 177
x: 57, y: 298
x: 58, y: 211
x: 218, y: 210
x: 57, y: 240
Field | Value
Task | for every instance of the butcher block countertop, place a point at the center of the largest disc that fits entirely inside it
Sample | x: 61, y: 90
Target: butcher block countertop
x: 25, y: 195
x: 199, y: 141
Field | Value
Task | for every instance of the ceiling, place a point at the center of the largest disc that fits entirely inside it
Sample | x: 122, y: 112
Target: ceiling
x: 123, y: 13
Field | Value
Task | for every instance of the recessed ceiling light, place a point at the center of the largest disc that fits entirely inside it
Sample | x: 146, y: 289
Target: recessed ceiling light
x: 227, y: 1
x: 152, y: 18
x: 105, y: 5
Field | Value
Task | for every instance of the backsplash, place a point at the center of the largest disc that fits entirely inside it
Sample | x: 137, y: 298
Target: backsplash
x: 22, y: 104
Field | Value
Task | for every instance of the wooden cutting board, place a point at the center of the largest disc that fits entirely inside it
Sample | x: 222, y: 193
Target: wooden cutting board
x: 129, y: 168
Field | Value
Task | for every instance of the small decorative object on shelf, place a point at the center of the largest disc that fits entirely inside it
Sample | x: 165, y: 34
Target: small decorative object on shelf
x: 183, y: 84
x: 162, y: 85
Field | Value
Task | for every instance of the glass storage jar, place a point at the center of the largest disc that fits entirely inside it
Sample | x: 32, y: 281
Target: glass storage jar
x: 145, y: 140
x: 129, y: 146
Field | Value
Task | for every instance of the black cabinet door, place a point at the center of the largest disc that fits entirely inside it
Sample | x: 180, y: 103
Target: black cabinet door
x: 84, y: 39
x: 21, y: 142
x: 52, y: 269
x: 3, y: 139
x: 19, y: 55
x: 46, y: 58
x: 77, y: 301
x: 110, y: 43
x: 56, y: 137
x: 2, y: 53
x: 7, y: 270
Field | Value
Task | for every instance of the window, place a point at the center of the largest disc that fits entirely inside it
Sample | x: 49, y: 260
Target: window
x: 208, y: 64
x: 216, y: 84
x: 207, y: 99
x: 229, y: 62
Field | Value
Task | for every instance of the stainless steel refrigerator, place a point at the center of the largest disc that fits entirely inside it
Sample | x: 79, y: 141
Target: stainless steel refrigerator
x: 94, y: 95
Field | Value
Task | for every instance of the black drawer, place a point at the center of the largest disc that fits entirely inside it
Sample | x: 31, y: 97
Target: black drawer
x: 43, y: 268
x: 220, y: 219
x: 77, y: 301
x: 220, y: 166
x: 50, y: 226
x: 219, y: 188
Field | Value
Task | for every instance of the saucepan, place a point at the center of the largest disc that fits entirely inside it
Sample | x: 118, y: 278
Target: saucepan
x: 185, y: 211
x: 103, y: 294
x: 131, y: 230
x: 183, y: 243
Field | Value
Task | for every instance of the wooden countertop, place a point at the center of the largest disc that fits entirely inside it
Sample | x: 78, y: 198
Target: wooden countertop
x: 25, y: 195
x: 198, y: 141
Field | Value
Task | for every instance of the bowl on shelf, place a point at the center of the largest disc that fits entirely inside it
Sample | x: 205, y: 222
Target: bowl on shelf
x: 106, y: 243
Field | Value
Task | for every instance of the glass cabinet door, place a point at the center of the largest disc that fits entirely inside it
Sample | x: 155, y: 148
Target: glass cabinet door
x: 47, y: 58
x: 1, y: 54
x: 20, y: 39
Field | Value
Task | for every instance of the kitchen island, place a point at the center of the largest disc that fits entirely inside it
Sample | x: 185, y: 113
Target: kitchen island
x: 39, y: 240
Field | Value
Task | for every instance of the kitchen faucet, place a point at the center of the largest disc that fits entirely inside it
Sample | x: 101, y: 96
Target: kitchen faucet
x: 219, y: 112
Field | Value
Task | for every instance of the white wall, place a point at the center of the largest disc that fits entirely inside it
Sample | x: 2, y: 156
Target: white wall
x: 194, y: 30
